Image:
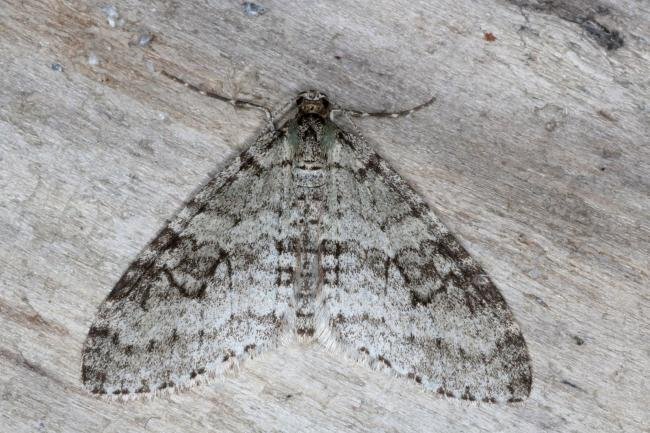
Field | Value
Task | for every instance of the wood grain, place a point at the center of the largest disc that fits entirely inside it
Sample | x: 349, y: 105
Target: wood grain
x: 536, y: 154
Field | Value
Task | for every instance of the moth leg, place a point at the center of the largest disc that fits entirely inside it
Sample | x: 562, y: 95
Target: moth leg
x: 392, y: 114
x: 237, y: 103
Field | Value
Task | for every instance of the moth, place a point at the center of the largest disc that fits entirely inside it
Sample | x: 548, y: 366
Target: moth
x: 307, y: 235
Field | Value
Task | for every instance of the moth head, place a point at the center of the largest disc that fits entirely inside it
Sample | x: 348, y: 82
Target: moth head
x: 313, y: 102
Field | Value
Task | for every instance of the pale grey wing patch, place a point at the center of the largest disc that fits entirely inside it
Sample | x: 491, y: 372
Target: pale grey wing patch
x: 207, y: 292
x: 399, y: 290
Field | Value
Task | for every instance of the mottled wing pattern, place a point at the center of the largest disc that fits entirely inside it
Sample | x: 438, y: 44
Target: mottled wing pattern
x: 399, y: 290
x: 211, y: 289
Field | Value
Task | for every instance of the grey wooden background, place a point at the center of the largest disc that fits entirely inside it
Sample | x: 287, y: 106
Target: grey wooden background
x: 536, y: 154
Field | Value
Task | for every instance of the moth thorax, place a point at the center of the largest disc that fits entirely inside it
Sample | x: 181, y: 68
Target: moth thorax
x: 313, y: 102
x: 309, y: 161
x: 309, y: 149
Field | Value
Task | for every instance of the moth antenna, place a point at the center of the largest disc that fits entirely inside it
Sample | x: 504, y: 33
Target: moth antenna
x: 393, y: 114
x: 237, y: 103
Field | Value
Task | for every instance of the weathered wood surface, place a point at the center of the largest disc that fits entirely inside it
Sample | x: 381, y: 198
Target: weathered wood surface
x: 536, y: 154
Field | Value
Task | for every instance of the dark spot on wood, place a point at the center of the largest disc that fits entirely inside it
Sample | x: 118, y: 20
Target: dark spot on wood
x: 582, y: 14
x: 611, y: 153
x: 143, y: 388
x: 249, y: 347
x: 489, y: 36
x: 125, y: 391
x: 117, y: 392
x: 337, y: 57
x: 200, y: 370
x: 489, y: 399
x: 193, y: 374
x: 609, y: 39
x: 444, y: 392
x: 151, y: 345
x: 606, y: 115
x: 174, y: 337
x: 602, y: 168
x: 128, y: 350
x: 571, y: 384
x: 515, y: 400
x: 364, y: 350
x: 579, y: 341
